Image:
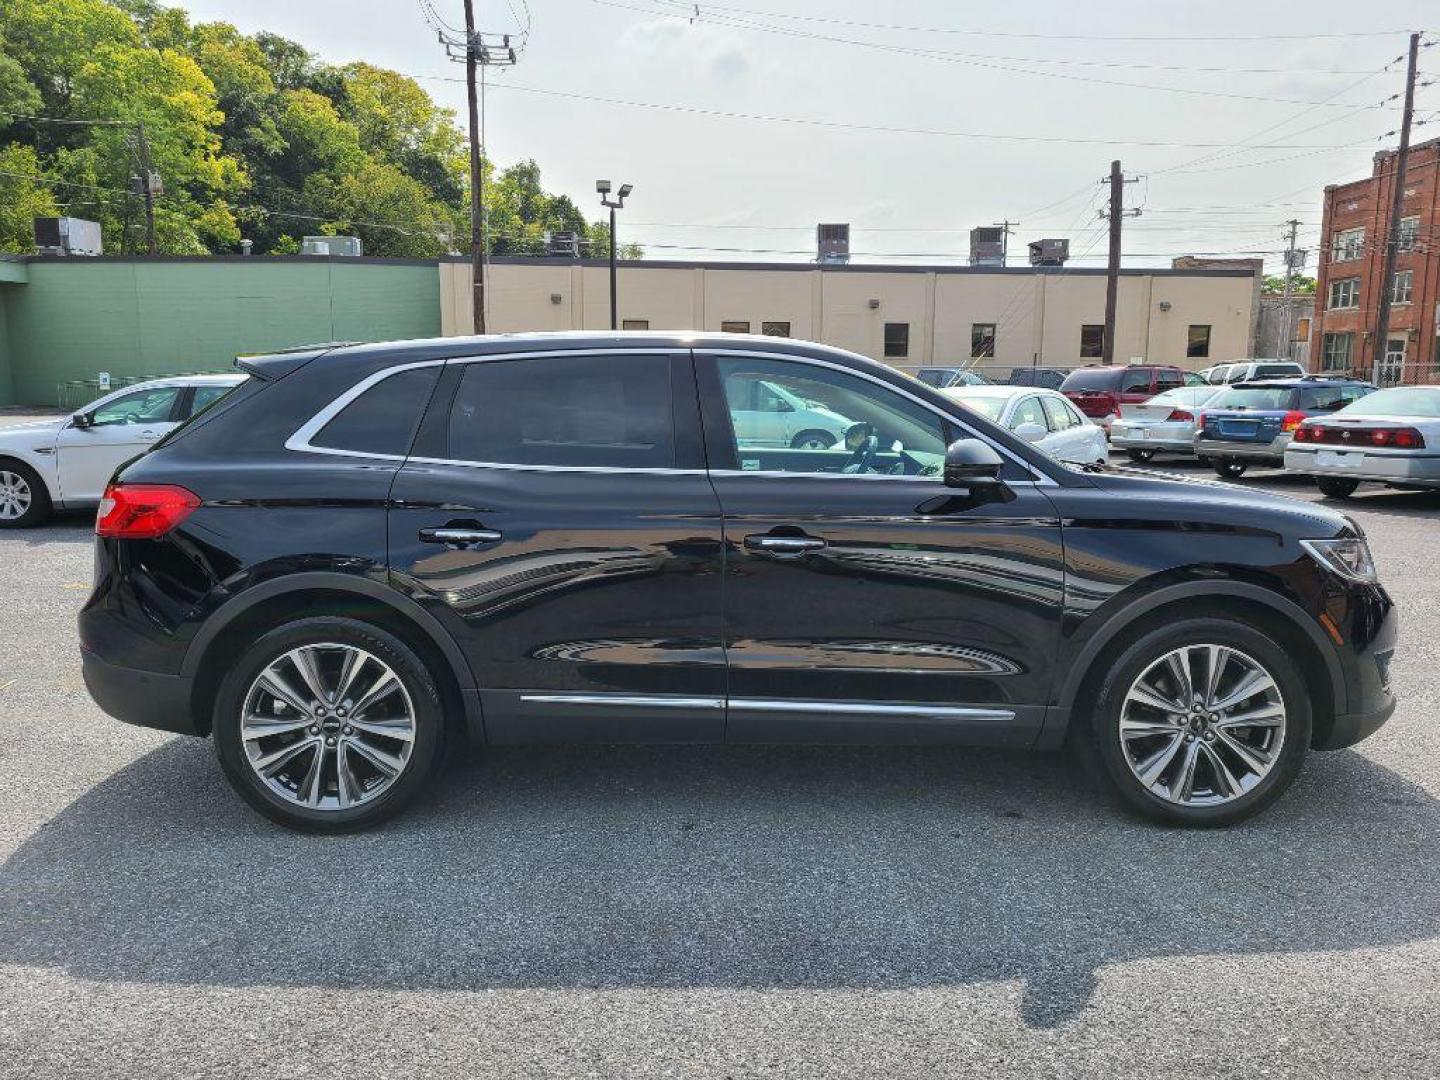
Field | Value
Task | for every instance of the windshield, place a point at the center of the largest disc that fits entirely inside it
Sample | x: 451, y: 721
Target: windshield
x: 1185, y: 395
x: 1253, y: 397
x: 1399, y: 401
x: 1092, y: 379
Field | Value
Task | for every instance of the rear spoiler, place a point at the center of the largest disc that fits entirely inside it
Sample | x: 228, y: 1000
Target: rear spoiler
x: 272, y: 366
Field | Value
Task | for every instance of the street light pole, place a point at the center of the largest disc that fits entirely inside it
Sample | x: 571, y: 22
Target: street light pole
x: 618, y: 203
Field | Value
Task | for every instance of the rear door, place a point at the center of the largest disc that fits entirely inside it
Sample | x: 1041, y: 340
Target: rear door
x: 556, y: 517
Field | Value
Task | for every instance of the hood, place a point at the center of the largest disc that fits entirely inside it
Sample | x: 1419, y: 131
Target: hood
x: 1222, y: 503
x: 33, y: 427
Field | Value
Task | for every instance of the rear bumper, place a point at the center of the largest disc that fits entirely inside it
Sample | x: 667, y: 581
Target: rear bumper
x: 145, y: 698
x: 1244, y: 451
x: 1421, y: 470
x: 1127, y: 435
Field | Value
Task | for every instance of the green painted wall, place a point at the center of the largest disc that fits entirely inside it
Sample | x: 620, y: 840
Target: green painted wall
x: 78, y: 317
x: 6, y: 389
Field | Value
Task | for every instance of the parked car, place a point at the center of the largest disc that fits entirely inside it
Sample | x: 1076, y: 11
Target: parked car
x: 1391, y: 437
x: 1104, y: 393
x: 64, y: 464
x: 1215, y: 375
x: 1050, y: 378
x: 1164, y: 424
x: 1043, y: 417
x: 768, y: 414
x: 1253, y: 423
x: 1253, y: 370
x: 364, y: 551
x: 941, y: 377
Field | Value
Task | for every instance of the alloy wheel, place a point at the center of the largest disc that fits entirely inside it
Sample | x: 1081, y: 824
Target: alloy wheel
x: 15, y: 496
x: 328, y: 726
x: 1202, y: 725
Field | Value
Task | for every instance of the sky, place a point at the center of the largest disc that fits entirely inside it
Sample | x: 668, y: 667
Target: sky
x: 742, y: 125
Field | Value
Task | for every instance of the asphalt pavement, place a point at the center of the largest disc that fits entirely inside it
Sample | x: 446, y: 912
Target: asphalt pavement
x: 737, y: 912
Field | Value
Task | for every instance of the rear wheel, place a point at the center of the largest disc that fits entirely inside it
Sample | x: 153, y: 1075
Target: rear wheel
x: 812, y: 440
x: 1202, y: 722
x: 23, y: 499
x: 1140, y: 455
x: 329, y: 725
x: 1230, y: 470
x: 1336, y: 487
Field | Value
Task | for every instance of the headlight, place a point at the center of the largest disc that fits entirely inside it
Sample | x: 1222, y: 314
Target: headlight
x: 1348, y: 557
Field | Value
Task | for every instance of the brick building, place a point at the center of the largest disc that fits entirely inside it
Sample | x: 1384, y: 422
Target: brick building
x: 1354, y: 232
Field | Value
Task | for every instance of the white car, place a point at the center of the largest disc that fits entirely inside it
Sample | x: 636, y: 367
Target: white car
x: 1043, y: 417
x: 1164, y: 424
x: 767, y: 414
x: 1391, y: 436
x: 66, y: 463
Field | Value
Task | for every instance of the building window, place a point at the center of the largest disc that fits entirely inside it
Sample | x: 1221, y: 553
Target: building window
x: 1348, y: 244
x: 1336, y: 351
x: 897, y: 340
x: 775, y: 329
x: 1401, y: 286
x: 1092, y: 341
x: 1302, y: 330
x: 1409, y: 230
x: 634, y: 324
x: 982, y: 340
x: 734, y: 326
x: 1344, y: 293
x: 1197, y: 344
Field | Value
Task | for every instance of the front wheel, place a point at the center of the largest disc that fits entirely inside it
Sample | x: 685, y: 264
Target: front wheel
x: 1202, y: 722
x: 23, y: 499
x: 1140, y: 455
x: 1230, y: 470
x: 812, y: 440
x: 328, y: 725
x: 1336, y: 487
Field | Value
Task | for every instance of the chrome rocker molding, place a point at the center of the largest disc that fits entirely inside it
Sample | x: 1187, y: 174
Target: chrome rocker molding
x: 843, y: 708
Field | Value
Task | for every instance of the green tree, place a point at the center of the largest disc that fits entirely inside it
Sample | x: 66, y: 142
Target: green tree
x: 1300, y: 285
x: 22, y: 200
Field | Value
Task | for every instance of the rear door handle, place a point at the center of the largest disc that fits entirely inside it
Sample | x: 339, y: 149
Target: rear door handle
x: 460, y: 537
x: 783, y: 545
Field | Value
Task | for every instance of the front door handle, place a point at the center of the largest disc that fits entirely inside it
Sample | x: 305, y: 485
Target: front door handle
x: 149, y: 436
x: 458, y: 536
x: 772, y: 544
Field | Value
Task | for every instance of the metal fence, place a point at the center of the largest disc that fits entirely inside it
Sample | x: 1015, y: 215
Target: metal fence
x: 74, y: 393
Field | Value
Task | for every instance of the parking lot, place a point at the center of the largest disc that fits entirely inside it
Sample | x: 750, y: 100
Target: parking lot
x: 638, y: 912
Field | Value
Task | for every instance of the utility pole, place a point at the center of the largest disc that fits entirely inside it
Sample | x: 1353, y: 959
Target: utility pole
x: 1380, y: 344
x: 1006, y: 228
x: 1117, y: 211
x: 1291, y: 264
x: 147, y: 185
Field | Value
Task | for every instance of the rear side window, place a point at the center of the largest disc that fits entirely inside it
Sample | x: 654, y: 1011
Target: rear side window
x: 1136, y: 382
x: 383, y: 419
x: 565, y: 411
x: 1169, y: 378
x: 1330, y: 398
x: 1094, y: 379
x: 1270, y: 370
x: 1253, y: 397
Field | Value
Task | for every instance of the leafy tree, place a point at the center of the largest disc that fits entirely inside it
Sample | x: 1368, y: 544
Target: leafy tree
x: 22, y: 200
x: 1300, y: 285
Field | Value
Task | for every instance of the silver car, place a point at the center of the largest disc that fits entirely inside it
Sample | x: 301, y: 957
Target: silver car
x: 1164, y: 424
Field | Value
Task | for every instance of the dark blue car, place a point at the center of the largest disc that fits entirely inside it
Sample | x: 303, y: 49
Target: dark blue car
x: 1253, y: 422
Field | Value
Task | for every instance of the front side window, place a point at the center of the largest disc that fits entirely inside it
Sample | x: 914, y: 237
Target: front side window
x: 982, y: 341
x: 383, y: 419
x: 1402, y: 285
x: 1059, y: 414
x: 1027, y: 412
x: 565, y: 412
x: 1336, y: 351
x: 1197, y: 341
x: 1092, y: 340
x: 839, y: 422
x: 153, y: 406
x: 1344, y: 293
x: 1348, y: 244
x: 897, y: 339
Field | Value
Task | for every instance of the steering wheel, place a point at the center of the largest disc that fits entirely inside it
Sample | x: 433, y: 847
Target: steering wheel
x: 863, y: 455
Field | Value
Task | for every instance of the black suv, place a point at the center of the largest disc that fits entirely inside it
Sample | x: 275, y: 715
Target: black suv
x: 364, y: 551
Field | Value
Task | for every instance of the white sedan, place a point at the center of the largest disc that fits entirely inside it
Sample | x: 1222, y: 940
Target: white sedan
x: 66, y: 463
x: 1164, y: 424
x: 766, y: 413
x: 1043, y: 417
x: 1391, y: 437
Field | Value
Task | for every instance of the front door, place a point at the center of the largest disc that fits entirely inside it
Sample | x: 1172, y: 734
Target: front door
x: 555, y: 515
x: 864, y: 600
x: 120, y: 428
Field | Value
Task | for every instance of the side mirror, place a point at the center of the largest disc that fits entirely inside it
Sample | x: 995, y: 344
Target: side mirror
x: 1031, y: 432
x: 81, y: 420
x: 970, y: 463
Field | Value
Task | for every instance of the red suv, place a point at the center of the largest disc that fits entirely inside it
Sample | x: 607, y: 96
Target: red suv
x: 1101, y: 393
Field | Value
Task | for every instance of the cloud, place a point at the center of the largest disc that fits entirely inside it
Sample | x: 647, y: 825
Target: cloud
x: 694, y: 46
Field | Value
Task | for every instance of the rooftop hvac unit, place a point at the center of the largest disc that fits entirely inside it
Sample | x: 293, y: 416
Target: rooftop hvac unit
x: 1049, y: 252
x: 562, y: 245
x: 67, y: 236
x: 330, y: 245
x: 832, y: 243
x: 987, y: 246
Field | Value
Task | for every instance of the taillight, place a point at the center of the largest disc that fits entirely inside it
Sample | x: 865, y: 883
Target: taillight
x: 1179, y: 415
x: 143, y: 511
x: 1308, y: 433
x: 1405, y: 438
x: 1400, y: 438
x: 1292, y: 420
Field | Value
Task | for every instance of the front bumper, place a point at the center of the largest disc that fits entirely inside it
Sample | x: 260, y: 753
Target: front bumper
x: 1273, y: 451
x: 145, y: 698
x: 1370, y: 630
x: 1417, y: 469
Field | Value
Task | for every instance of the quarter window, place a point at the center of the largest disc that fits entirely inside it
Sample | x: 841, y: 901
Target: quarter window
x: 1345, y: 293
x: 205, y: 396
x: 897, y: 340
x: 982, y: 340
x: 565, y: 411
x: 1092, y: 341
x: 383, y: 419
x: 1197, y: 342
x: 153, y: 406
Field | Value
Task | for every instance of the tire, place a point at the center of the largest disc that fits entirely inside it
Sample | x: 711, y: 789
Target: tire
x: 24, y: 500
x: 812, y: 440
x: 1213, y: 801
x: 1230, y: 470
x: 324, y: 806
x: 1140, y: 455
x: 1336, y: 487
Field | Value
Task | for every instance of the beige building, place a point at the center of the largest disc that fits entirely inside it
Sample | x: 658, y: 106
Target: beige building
x: 905, y: 316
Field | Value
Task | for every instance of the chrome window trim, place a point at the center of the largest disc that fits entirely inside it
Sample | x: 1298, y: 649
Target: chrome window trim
x: 301, y: 440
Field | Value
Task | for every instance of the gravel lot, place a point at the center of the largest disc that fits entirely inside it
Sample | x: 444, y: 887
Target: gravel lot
x: 708, y: 913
